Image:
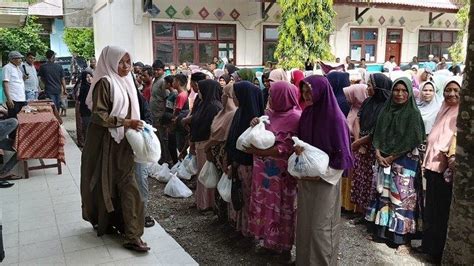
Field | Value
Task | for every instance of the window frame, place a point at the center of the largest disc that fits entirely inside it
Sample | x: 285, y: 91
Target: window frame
x: 363, y: 42
x: 266, y: 41
x: 174, y: 40
x: 441, y: 44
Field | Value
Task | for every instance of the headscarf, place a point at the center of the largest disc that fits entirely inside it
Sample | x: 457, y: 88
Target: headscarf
x: 285, y: 112
x: 222, y: 121
x: 441, y: 135
x: 230, y: 68
x: 338, y: 81
x: 399, y: 127
x: 440, y: 81
x: 250, y: 106
x: 218, y: 73
x: 244, y: 74
x: 356, y: 95
x: 278, y: 74
x: 372, y: 106
x: 429, y: 110
x: 296, y: 77
x: 123, y: 92
x: 207, y: 109
x: 225, y: 77
x: 324, y: 126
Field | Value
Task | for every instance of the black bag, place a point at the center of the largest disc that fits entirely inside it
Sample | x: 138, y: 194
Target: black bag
x: 236, y: 190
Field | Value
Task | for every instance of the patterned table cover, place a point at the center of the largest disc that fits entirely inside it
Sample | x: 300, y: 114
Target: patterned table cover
x: 39, y: 136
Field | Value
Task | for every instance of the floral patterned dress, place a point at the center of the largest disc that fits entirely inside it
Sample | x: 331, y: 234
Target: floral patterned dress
x: 272, y: 213
x: 361, y: 191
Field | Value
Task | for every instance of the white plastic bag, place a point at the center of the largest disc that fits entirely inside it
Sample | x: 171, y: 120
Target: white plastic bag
x: 175, y: 167
x: 261, y: 138
x: 190, y: 163
x: 257, y: 136
x: 176, y: 188
x: 145, y: 144
x: 183, y: 172
x: 311, y: 162
x: 153, y: 169
x: 225, y: 188
x: 208, y: 175
x: 164, y: 174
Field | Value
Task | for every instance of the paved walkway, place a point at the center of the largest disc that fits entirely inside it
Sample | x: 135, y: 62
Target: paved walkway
x: 42, y: 224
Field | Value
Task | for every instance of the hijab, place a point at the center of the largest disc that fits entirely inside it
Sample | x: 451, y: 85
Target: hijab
x: 399, y: 127
x: 441, y: 135
x: 429, y: 110
x: 122, y: 89
x: 338, y: 81
x: 296, y: 77
x: 372, y: 106
x: 230, y: 68
x: 323, y: 124
x: 278, y: 74
x: 244, y: 74
x: 284, y: 113
x: 250, y: 106
x: 225, y: 77
x: 210, y: 104
x: 355, y: 95
x: 440, y: 81
x: 222, y: 121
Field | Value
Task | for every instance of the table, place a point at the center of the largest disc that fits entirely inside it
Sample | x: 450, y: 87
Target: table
x: 39, y: 136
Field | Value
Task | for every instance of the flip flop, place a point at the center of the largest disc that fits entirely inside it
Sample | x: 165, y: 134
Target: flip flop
x: 149, y: 222
x: 136, y: 247
x: 6, y: 184
x: 11, y: 177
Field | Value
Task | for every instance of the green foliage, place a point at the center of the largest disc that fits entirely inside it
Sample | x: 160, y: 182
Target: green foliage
x: 457, y: 51
x: 24, y: 39
x: 304, y: 31
x: 80, y: 41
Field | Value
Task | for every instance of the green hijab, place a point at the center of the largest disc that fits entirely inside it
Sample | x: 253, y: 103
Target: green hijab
x: 246, y: 74
x: 399, y: 127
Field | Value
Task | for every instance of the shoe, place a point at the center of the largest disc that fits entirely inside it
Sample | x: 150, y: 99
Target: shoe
x: 6, y: 184
x: 149, y: 221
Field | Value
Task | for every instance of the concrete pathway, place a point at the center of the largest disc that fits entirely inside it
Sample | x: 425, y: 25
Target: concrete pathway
x: 42, y: 224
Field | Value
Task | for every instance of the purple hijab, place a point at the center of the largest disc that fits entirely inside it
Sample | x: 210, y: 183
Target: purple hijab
x: 285, y: 111
x: 323, y: 125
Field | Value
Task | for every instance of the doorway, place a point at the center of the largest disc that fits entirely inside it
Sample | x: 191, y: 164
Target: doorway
x: 394, y: 44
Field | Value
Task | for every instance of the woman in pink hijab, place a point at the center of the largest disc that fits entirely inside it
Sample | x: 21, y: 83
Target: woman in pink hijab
x: 272, y: 213
x: 296, y: 77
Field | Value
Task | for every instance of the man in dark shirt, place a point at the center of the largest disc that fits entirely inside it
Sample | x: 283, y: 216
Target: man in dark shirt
x: 52, y: 76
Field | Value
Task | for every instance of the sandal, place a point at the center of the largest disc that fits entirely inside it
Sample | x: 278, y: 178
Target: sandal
x: 5, y: 184
x: 11, y: 177
x: 139, y: 247
x: 149, y: 221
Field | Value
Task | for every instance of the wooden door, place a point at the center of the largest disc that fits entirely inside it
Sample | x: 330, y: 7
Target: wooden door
x: 394, y: 44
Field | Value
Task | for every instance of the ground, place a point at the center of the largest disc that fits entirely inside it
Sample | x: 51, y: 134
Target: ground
x: 212, y: 243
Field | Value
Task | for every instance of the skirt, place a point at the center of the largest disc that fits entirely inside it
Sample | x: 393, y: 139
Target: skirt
x: 205, y: 198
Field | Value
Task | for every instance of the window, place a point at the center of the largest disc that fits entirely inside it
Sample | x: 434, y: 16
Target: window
x: 363, y: 44
x: 435, y: 43
x: 193, y: 43
x: 270, y: 41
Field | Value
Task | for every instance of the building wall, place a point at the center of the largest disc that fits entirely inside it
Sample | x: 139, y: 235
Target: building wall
x: 56, y: 39
x: 414, y: 21
x: 123, y: 23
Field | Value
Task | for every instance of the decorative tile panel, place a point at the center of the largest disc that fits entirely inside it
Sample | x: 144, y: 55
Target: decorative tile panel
x: 447, y: 23
x: 391, y: 20
x: 234, y: 14
x: 171, y: 11
x: 370, y: 20
x: 360, y: 20
x: 203, y: 13
x: 381, y: 20
x: 187, y: 12
x: 402, y: 21
x: 219, y: 14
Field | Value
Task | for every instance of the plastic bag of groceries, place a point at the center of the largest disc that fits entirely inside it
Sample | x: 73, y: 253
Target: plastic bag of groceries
x: 190, y: 162
x: 164, y: 174
x: 257, y: 136
x: 153, y: 169
x: 145, y: 144
x: 183, y: 172
x: 311, y: 162
x: 175, y: 167
x: 224, y: 187
x: 176, y: 188
x: 209, y: 176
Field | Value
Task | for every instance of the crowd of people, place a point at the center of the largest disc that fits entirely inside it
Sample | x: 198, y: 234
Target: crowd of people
x: 390, y: 141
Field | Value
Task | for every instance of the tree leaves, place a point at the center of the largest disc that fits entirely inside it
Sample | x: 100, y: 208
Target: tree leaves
x: 24, y: 39
x: 80, y: 41
x: 304, y: 31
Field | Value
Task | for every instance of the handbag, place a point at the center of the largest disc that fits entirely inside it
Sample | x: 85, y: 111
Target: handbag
x: 236, y: 190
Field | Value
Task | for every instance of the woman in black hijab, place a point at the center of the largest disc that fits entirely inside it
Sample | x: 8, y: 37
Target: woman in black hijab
x: 210, y: 104
x: 249, y: 101
x: 379, y: 89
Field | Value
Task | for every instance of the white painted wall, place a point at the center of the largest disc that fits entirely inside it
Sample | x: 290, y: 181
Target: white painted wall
x: 121, y: 22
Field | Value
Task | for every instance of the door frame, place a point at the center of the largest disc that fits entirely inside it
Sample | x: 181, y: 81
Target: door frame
x: 396, y: 41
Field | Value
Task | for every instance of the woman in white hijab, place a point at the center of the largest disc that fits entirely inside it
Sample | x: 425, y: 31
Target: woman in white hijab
x: 110, y: 197
x: 429, y: 104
